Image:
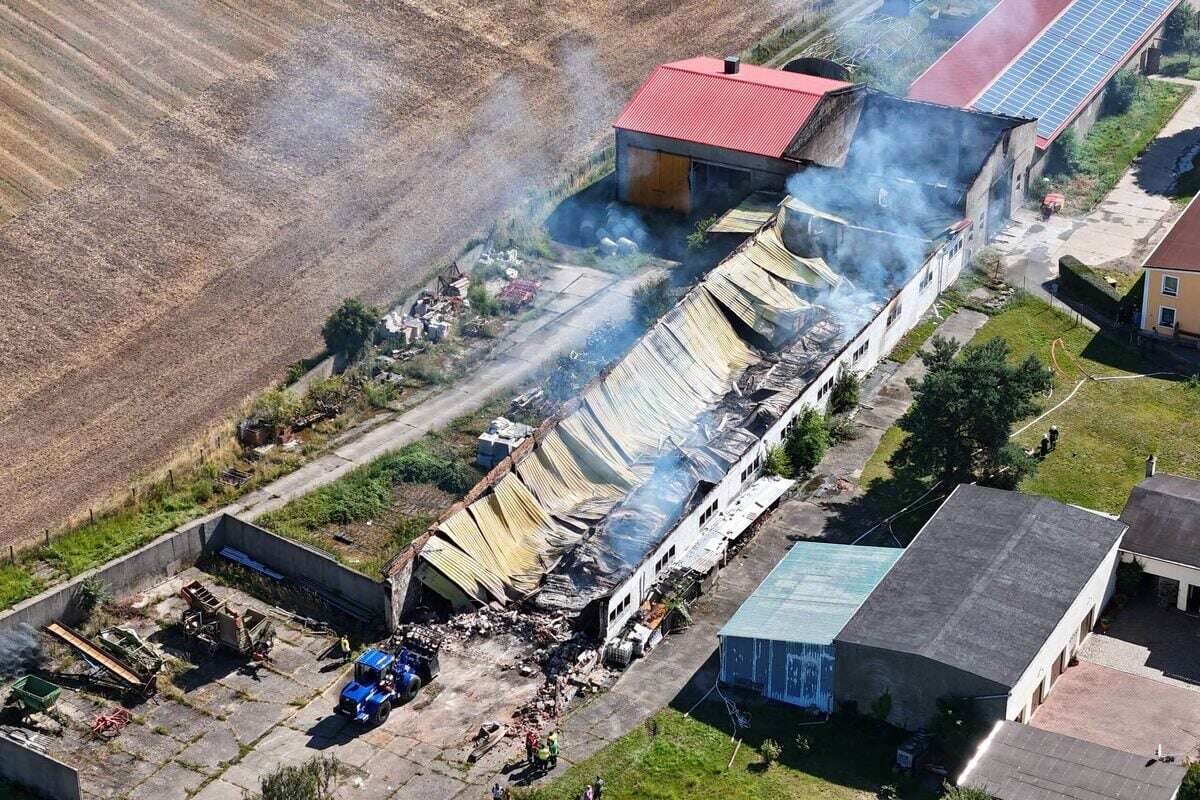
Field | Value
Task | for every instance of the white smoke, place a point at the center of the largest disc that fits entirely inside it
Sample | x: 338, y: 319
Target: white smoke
x: 20, y: 651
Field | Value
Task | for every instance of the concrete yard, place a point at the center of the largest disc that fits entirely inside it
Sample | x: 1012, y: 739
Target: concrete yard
x: 215, y: 727
x: 1123, y: 711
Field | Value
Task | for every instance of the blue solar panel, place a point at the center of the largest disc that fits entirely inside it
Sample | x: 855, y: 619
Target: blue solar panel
x: 1070, y: 59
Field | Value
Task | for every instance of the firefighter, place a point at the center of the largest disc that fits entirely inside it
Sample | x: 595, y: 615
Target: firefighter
x: 552, y: 745
x: 344, y: 647
x: 543, y: 757
x: 531, y: 746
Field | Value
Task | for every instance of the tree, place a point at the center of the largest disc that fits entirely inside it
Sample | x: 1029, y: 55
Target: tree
x: 807, y: 440
x: 350, y: 327
x: 1066, y: 155
x: 651, y: 299
x: 963, y: 411
x: 482, y: 303
x: 1123, y: 90
x: 843, y: 396
x: 315, y: 779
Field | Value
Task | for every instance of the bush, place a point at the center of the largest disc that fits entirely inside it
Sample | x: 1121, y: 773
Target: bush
x: 965, y: 793
x: 699, y: 237
x: 803, y: 745
x: 1122, y: 91
x: 1129, y: 578
x: 1066, y: 155
x: 1091, y: 288
x: 326, y: 395
x: 274, y: 407
x: 777, y: 463
x: 881, y: 708
x: 843, y: 396
x: 807, y: 440
x: 315, y: 779
x: 350, y: 328
x: 651, y: 299
x: 770, y: 751
x: 481, y: 302
x: 1190, y: 788
x: 93, y: 593
x: 841, y: 429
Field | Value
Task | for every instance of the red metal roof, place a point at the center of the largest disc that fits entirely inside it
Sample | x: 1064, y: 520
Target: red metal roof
x: 978, y: 58
x: 1180, y: 248
x: 757, y: 110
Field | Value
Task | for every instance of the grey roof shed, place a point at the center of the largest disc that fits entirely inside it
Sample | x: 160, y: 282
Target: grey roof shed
x: 1163, y: 515
x: 1020, y: 762
x: 985, y: 582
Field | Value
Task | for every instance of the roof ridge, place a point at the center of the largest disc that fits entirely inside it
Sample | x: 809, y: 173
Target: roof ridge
x: 674, y: 66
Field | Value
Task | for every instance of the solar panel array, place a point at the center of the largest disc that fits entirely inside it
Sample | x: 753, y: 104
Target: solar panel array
x: 1070, y: 59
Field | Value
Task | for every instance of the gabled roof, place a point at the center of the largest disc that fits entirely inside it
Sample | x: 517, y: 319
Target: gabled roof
x: 986, y: 581
x: 811, y: 593
x: 1163, y: 515
x: 757, y: 110
x: 1179, y: 250
x: 967, y: 68
x: 1042, y: 59
x: 1020, y: 762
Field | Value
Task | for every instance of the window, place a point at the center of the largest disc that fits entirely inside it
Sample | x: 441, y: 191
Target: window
x: 1166, y: 317
x: 1170, y: 286
x: 893, y: 314
x: 707, y: 513
x: 861, y: 351
x: 618, y: 608
x: 926, y: 279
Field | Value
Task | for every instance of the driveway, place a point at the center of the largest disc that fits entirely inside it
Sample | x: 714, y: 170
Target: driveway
x: 1118, y: 232
x: 1127, y: 712
x: 1152, y: 642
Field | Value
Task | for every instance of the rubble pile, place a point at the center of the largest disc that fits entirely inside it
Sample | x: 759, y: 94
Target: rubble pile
x: 569, y: 660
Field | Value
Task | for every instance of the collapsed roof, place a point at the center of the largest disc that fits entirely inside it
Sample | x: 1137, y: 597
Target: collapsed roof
x: 576, y: 513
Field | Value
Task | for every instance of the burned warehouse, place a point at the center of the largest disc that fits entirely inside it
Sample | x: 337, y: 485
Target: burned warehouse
x: 884, y: 200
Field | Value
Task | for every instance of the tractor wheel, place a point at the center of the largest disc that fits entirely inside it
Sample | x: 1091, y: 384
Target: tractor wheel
x: 382, y: 713
x: 411, y: 689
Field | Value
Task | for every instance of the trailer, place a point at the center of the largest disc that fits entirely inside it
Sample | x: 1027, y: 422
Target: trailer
x: 210, y: 623
x: 31, y: 695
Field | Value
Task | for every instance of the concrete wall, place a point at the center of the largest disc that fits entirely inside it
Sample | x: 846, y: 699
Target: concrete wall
x: 40, y: 774
x: 295, y: 559
x: 145, y: 567
x: 862, y: 674
x: 1065, y: 639
x: 174, y: 552
x: 942, y: 269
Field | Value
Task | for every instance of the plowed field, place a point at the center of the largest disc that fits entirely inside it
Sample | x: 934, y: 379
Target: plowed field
x: 230, y: 170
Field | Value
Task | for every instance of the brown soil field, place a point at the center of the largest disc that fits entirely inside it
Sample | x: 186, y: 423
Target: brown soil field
x: 149, y: 296
x: 81, y: 78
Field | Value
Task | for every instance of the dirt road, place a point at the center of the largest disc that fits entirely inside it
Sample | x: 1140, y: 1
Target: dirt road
x: 184, y: 271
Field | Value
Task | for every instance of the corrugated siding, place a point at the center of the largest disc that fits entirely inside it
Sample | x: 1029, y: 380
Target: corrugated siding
x: 756, y: 111
x: 791, y: 672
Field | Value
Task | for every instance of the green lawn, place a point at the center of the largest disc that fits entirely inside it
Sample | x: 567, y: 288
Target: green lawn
x: 1114, y: 141
x: 1108, y: 428
x: 687, y: 758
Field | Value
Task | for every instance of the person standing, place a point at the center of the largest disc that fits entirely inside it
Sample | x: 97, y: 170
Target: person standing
x: 552, y: 743
x: 598, y: 788
x: 344, y: 646
x: 497, y: 794
x: 531, y: 745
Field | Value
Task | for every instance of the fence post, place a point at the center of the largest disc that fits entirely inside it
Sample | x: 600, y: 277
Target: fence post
x: 171, y: 478
x: 47, y: 537
x: 12, y: 554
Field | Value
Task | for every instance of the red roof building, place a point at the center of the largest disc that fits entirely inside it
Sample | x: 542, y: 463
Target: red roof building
x: 755, y: 110
x: 970, y: 66
x: 1179, y: 250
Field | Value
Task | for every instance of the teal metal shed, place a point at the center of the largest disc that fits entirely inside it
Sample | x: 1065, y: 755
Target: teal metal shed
x: 780, y: 642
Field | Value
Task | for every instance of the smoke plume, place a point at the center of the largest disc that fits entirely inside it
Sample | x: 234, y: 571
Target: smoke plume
x: 20, y: 651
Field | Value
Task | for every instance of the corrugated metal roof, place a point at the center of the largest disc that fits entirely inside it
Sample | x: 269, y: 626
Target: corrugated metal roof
x: 1180, y: 248
x: 757, y: 110
x: 812, y: 592
x: 978, y: 58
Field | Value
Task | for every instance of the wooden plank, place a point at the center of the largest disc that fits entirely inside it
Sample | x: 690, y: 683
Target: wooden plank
x: 92, y: 652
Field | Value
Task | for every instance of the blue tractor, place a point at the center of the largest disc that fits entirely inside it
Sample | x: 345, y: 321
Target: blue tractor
x: 383, y: 680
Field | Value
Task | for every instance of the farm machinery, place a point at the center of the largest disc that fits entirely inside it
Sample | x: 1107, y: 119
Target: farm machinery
x: 388, y: 677
x: 118, y: 657
x: 210, y: 623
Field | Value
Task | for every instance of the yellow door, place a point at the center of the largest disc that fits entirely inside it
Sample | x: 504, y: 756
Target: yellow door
x: 658, y: 180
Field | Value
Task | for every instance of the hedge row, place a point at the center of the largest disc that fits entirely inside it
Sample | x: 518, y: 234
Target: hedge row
x: 1090, y: 287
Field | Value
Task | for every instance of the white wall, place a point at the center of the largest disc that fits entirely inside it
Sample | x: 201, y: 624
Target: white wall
x: 1093, y: 598
x: 946, y: 264
x: 1187, y: 576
